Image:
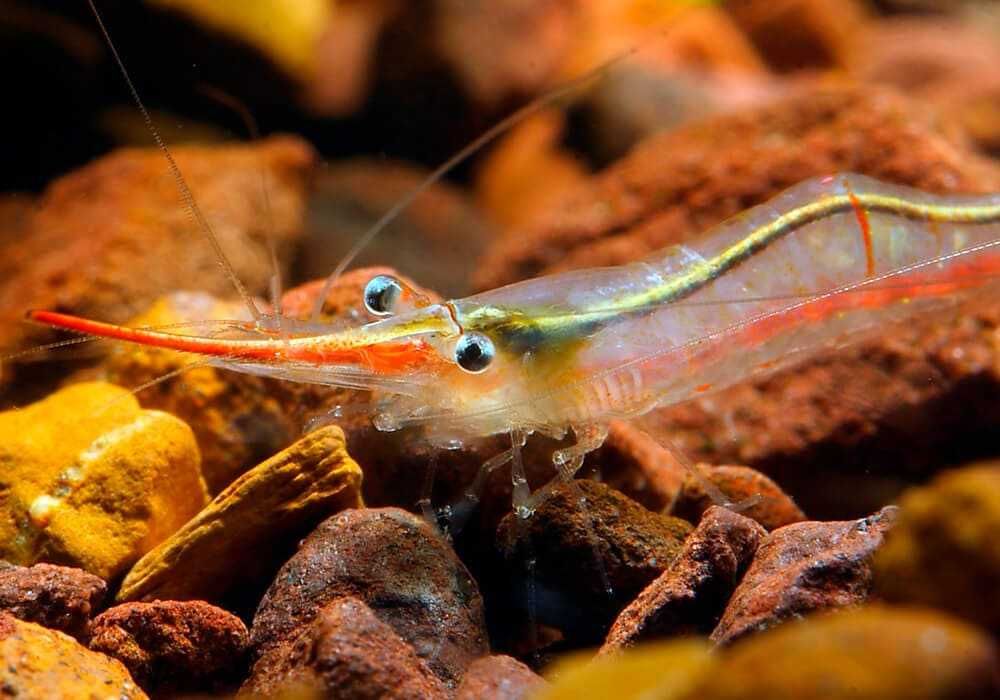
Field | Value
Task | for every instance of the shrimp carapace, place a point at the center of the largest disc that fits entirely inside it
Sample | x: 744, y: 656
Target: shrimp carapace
x: 807, y: 270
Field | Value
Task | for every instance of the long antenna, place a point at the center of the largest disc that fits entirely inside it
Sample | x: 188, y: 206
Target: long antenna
x: 194, y: 211
x: 492, y: 133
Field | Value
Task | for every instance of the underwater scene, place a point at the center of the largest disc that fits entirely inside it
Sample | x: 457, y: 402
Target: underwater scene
x: 500, y: 350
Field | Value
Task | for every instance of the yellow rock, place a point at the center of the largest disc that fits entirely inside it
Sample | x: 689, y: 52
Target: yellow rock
x: 238, y: 534
x: 36, y: 662
x: 871, y: 653
x: 657, y: 671
x: 288, y: 32
x: 944, y: 551
x: 235, y: 418
x: 89, y: 479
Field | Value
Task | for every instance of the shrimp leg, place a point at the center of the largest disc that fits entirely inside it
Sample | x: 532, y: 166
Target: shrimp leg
x: 568, y: 461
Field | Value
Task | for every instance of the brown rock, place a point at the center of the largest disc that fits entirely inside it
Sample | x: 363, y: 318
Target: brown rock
x: 173, y: 646
x: 484, y: 44
x: 679, y: 183
x: 528, y: 171
x: 802, y: 568
x: 873, y: 653
x: 434, y: 239
x: 595, y: 558
x: 400, y: 567
x: 943, y: 550
x: 689, y: 596
x: 775, y: 508
x: 239, y: 537
x: 97, y: 240
x: 498, y: 678
x: 632, y: 462
x: 795, y: 34
x: 36, y: 662
x: 672, y: 67
x: 347, y: 652
x: 950, y: 63
x: 57, y: 597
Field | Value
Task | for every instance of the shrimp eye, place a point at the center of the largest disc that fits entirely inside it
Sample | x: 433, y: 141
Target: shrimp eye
x: 381, y: 294
x: 474, y: 352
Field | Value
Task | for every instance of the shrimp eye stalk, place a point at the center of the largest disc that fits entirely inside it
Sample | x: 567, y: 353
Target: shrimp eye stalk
x: 382, y: 293
x: 474, y: 352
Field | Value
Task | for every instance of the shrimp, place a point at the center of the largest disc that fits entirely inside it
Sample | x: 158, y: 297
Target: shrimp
x: 815, y: 267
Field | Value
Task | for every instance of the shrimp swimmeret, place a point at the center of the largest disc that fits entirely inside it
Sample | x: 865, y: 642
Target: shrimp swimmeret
x: 824, y: 261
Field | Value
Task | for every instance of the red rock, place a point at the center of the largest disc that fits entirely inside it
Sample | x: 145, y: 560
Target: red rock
x: 172, y: 646
x: 95, y: 244
x: 580, y: 553
x: 346, y: 652
x: 498, y: 678
x: 802, y: 568
x: 400, y: 567
x: 775, y: 509
x: 57, y: 597
x: 690, y: 595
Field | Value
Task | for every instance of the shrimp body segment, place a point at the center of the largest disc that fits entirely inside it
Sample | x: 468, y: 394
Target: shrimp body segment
x: 810, y: 269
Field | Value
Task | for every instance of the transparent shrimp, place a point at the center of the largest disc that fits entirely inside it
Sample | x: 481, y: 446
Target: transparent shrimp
x: 821, y: 263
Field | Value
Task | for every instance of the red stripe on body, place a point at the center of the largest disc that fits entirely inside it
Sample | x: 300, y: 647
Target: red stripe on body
x: 922, y: 284
x: 866, y: 234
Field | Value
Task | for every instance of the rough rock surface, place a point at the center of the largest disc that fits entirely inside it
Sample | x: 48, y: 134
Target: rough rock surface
x: 98, y: 238
x: 36, y: 662
x: 347, y: 652
x: 400, y: 567
x: 774, y: 509
x: 89, y: 479
x: 943, y: 550
x: 56, y: 597
x: 498, y: 677
x: 873, y: 653
x: 801, y: 568
x: 173, y: 646
x: 690, y: 595
x: 241, y: 535
x: 595, y: 558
